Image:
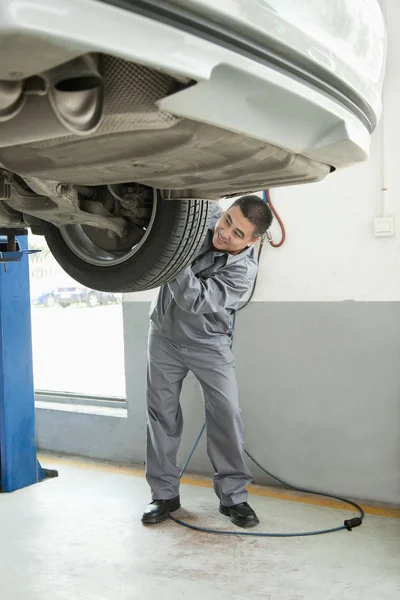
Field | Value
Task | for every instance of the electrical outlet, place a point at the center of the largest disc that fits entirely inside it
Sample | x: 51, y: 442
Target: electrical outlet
x: 383, y: 226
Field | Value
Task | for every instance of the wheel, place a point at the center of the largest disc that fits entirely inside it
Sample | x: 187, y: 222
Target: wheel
x: 49, y: 301
x: 174, y: 233
x: 92, y: 300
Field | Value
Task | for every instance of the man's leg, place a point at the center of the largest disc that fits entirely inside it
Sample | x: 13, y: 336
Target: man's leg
x: 165, y: 374
x: 215, y: 370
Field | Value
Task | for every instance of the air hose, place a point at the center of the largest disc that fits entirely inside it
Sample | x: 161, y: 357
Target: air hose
x: 349, y: 524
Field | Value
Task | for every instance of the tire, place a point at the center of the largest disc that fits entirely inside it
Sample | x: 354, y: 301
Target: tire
x: 92, y: 300
x: 176, y: 235
x: 49, y: 301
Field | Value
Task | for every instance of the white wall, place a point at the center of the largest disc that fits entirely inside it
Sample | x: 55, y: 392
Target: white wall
x: 331, y: 253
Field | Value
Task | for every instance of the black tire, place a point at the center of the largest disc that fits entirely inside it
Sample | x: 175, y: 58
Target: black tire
x: 176, y: 235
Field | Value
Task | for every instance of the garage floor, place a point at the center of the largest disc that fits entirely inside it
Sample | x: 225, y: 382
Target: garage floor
x: 80, y: 537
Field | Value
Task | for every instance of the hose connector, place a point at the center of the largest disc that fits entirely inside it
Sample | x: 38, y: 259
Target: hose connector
x: 351, y: 523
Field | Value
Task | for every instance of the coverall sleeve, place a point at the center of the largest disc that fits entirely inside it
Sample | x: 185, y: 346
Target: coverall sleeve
x: 210, y: 294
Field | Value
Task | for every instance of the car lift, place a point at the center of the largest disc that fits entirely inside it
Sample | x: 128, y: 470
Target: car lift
x: 19, y: 466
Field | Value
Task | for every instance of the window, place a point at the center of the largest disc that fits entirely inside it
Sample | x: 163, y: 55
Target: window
x: 77, y: 333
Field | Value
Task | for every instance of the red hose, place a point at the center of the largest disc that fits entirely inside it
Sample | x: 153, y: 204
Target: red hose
x: 281, y: 225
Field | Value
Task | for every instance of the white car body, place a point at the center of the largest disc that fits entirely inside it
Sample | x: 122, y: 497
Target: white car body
x: 344, y: 40
x: 197, y: 98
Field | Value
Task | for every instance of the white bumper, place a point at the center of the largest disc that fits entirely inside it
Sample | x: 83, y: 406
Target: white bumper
x: 233, y: 92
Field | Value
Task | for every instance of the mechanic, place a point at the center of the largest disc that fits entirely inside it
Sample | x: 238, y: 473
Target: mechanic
x: 191, y: 330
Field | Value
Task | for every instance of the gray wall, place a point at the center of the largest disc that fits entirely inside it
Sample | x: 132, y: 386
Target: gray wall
x: 320, y: 393
x: 320, y: 389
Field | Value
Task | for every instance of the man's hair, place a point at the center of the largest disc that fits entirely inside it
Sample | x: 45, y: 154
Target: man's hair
x: 256, y: 211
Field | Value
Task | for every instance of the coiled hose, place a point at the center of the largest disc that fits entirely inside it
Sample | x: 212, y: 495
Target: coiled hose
x: 349, y: 524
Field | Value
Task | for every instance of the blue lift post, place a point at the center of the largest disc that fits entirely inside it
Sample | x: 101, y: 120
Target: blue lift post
x: 19, y: 466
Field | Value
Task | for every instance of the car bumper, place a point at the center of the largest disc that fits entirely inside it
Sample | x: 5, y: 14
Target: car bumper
x: 234, y: 91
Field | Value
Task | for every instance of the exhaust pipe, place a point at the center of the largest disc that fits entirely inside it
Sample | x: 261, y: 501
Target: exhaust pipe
x: 11, y: 99
x: 76, y: 93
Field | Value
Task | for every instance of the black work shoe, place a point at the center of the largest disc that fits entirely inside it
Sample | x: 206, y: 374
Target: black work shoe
x: 159, y: 510
x: 241, y: 514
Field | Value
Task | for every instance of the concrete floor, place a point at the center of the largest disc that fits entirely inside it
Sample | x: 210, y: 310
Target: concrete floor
x: 80, y: 537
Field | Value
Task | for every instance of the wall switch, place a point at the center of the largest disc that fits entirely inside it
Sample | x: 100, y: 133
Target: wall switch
x: 383, y: 226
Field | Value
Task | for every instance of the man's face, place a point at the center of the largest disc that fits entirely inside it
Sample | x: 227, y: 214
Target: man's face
x: 233, y: 232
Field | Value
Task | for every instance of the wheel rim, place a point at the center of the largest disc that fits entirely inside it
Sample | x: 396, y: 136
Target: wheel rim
x: 80, y: 244
x: 50, y: 302
x: 92, y: 301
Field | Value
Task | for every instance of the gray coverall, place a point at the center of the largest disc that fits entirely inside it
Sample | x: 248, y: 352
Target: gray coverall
x: 191, y: 330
